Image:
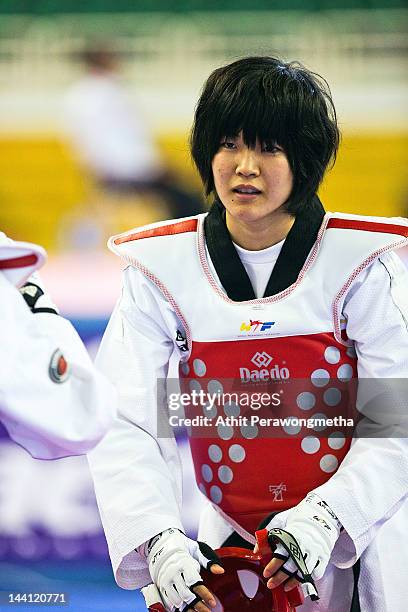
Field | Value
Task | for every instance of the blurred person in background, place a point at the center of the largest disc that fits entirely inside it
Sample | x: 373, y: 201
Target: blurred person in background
x: 112, y: 140
x: 326, y: 295
x: 53, y: 401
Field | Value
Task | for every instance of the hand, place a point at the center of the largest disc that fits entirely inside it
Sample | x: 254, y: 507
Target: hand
x: 174, y: 564
x: 303, y: 539
x: 36, y: 299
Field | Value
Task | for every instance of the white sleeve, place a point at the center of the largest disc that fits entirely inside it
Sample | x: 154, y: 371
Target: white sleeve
x: 136, y: 469
x: 51, y: 410
x: 372, y: 481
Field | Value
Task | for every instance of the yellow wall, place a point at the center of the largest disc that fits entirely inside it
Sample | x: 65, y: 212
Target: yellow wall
x: 370, y: 176
x: 40, y: 183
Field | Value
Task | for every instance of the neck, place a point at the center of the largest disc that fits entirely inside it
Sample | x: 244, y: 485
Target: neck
x: 258, y: 235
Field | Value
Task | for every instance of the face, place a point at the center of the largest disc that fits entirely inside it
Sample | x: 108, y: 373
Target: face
x: 252, y: 183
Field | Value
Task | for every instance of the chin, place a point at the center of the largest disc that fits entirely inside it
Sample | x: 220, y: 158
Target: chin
x: 247, y: 215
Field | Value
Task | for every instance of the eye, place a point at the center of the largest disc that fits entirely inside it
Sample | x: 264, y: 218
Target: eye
x: 271, y: 147
x: 228, y: 143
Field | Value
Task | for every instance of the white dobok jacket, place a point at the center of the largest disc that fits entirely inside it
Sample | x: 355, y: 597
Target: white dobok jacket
x: 53, y: 401
x: 345, y: 315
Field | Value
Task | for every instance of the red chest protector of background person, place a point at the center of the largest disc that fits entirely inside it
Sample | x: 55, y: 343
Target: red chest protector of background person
x: 290, y: 346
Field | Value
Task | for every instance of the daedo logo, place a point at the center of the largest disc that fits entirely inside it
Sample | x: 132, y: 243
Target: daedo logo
x: 263, y: 373
x: 261, y: 359
x: 256, y: 326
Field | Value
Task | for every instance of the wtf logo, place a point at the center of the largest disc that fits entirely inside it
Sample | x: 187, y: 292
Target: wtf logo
x: 256, y: 326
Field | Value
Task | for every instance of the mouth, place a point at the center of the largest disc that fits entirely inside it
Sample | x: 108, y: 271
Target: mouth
x: 246, y: 190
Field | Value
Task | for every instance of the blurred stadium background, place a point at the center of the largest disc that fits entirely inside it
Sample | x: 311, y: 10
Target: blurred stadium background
x: 50, y: 534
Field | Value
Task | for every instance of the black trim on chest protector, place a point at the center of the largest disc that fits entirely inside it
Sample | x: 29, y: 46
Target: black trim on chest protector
x: 292, y: 257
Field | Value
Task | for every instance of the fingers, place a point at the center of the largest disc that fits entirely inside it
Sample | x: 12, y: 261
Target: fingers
x: 278, y: 577
x: 208, y: 600
x: 199, y: 607
x: 216, y: 569
x: 276, y: 580
x: 273, y: 567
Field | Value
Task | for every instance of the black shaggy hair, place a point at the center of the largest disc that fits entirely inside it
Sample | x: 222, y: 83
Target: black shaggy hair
x: 273, y: 102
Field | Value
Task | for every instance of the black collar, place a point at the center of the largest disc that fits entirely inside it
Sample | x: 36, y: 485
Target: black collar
x: 292, y: 257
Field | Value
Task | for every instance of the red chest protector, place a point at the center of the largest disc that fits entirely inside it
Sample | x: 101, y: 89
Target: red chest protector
x: 246, y: 465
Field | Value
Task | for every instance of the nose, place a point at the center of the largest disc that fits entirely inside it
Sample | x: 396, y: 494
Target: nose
x: 247, y: 163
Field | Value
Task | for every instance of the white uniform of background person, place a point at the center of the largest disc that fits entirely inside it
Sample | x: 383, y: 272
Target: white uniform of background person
x: 109, y: 137
x: 136, y: 503
x: 51, y: 412
x: 115, y: 143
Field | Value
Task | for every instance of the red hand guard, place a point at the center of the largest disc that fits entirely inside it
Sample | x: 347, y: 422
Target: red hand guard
x: 227, y: 587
